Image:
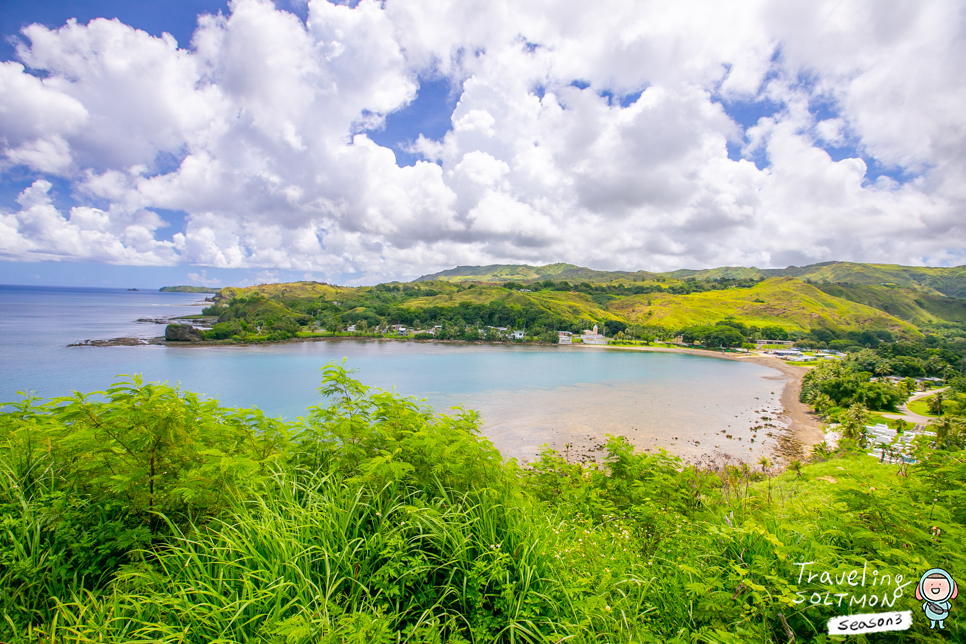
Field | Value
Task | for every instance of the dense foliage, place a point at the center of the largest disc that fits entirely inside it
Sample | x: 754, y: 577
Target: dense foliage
x: 731, y: 333
x: 145, y: 514
x: 841, y: 384
x: 698, y: 308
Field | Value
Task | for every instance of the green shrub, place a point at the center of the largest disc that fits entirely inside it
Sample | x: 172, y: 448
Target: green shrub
x: 374, y: 519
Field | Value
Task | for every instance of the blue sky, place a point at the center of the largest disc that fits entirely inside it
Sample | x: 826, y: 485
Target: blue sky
x: 428, y: 114
x: 754, y: 136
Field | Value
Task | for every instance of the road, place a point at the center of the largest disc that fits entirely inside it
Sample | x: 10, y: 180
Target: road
x: 913, y: 417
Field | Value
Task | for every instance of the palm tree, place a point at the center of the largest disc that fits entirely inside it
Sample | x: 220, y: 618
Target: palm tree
x: 765, y: 463
x: 853, y: 425
x: 950, y: 430
x: 936, y: 404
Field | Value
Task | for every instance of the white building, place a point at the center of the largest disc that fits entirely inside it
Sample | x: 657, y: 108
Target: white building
x: 592, y: 337
x: 517, y: 335
x: 565, y: 337
x: 780, y: 343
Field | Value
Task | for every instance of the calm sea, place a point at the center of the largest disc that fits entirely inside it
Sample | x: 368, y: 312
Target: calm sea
x: 528, y: 396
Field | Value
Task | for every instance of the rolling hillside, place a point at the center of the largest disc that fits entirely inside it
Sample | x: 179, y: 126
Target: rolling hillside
x: 831, y: 300
x: 950, y: 282
x: 912, y: 305
x: 781, y: 301
x: 502, y: 273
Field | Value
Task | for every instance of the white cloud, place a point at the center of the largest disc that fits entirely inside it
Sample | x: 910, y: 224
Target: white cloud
x: 39, y: 231
x: 202, y: 279
x: 255, y: 132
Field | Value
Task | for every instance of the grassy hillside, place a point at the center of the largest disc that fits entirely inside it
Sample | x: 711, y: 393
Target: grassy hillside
x: 375, y: 520
x: 821, y: 302
x: 911, y: 305
x: 724, y: 272
x: 502, y: 273
x: 781, y: 301
x: 946, y: 281
x: 289, y: 290
x: 569, y: 306
x: 187, y: 289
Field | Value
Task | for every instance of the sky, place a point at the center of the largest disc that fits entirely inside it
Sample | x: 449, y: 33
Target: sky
x: 220, y: 143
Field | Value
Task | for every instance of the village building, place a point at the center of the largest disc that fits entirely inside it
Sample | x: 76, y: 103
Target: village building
x: 592, y: 337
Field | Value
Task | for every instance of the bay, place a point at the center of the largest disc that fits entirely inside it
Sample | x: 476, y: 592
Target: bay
x: 569, y: 398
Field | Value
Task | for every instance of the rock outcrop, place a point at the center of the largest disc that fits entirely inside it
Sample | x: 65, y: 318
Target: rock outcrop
x: 182, y: 333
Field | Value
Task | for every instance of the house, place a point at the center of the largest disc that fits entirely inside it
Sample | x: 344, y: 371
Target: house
x: 517, y: 335
x: 565, y: 337
x: 351, y: 328
x: 780, y: 343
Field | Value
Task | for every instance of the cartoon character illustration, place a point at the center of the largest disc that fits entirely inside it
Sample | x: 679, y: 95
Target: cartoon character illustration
x: 935, y: 590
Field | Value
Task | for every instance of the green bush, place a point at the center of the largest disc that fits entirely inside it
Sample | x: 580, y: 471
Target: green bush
x: 145, y: 514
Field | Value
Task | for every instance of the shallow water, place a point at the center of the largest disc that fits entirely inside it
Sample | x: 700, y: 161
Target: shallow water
x: 527, y: 396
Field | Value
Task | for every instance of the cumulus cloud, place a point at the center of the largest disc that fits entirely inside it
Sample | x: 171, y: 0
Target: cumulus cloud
x: 39, y: 231
x: 603, y: 134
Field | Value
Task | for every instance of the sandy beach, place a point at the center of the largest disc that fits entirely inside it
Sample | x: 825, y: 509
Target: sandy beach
x: 804, y: 427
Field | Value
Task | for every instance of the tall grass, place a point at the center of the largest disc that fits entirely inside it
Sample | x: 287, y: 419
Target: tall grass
x: 314, y: 560
x: 380, y: 522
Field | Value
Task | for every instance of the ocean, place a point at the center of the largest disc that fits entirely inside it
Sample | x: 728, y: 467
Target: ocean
x: 568, y: 398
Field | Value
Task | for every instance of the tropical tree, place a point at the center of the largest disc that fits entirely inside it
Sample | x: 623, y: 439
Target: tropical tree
x: 854, y: 422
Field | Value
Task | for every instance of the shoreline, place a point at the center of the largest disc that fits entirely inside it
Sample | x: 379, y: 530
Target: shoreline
x: 804, y: 429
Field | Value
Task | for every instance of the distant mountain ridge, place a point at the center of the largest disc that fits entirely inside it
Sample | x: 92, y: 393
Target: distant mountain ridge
x: 188, y: 289
x: 947, y: 281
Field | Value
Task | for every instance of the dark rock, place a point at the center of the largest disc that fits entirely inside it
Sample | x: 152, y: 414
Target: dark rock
x: 182, y: 333
x: 118, y: 342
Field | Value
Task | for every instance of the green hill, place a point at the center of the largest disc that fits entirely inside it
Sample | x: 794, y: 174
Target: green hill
x: 945, y: 281
x: 909, y: 304
x: 948, y: 281
x: 781, y: 301
x: 834, y: 300
x: 503, y: 273
x: 188, y: 289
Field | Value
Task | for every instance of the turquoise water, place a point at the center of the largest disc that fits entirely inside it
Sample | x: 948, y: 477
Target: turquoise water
x: 528, y: 396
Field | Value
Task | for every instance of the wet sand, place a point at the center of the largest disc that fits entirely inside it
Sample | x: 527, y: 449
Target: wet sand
x: 804, y: 427
x: 708, y: 415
